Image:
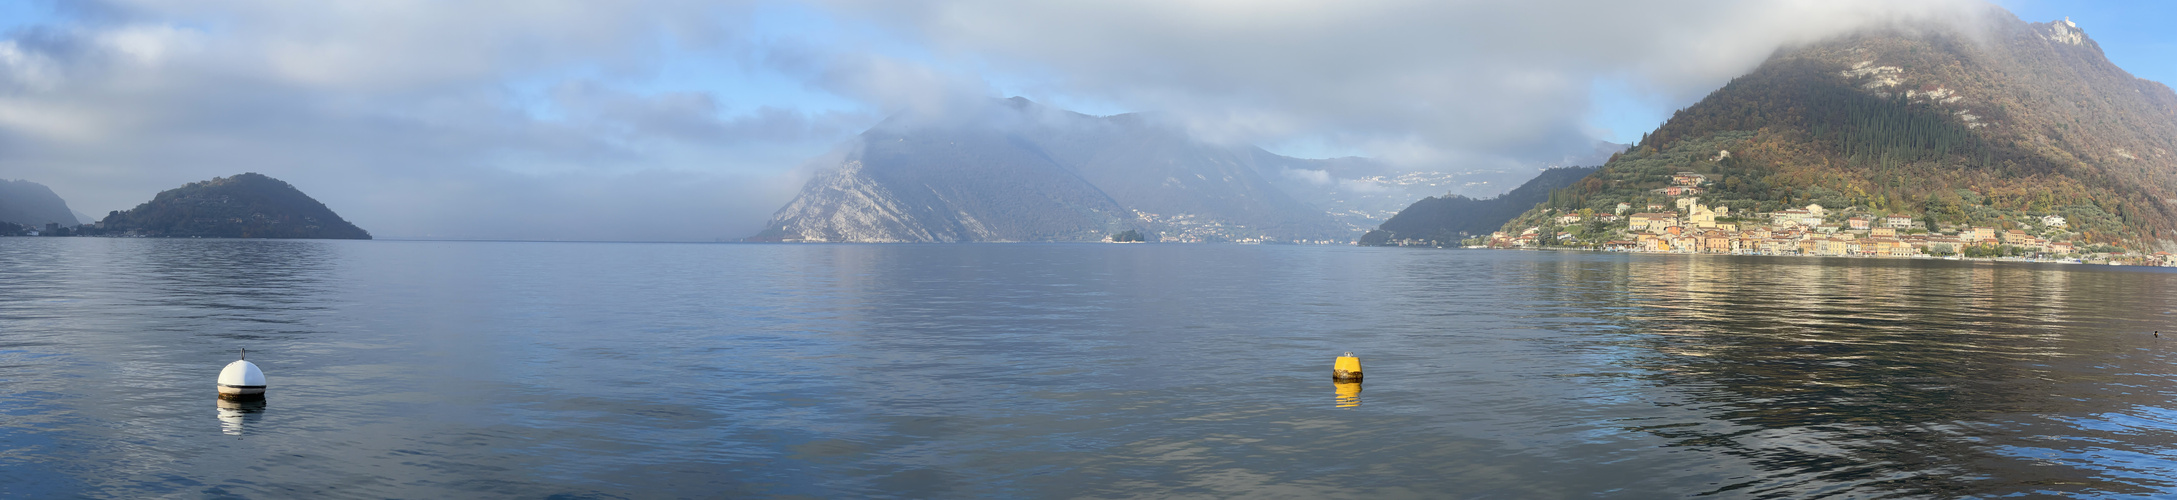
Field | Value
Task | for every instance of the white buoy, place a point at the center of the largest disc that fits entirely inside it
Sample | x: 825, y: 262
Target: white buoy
x: 242, y: 380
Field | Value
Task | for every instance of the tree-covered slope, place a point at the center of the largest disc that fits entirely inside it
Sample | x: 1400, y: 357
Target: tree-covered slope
x: 1988, y: 124
x: 1446, y: 220
x: 249, y: 205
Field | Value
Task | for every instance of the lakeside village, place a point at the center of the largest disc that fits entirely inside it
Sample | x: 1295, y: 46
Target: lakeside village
x: 1691, y: 227
x: 56, y: 229
x: 51, y: 229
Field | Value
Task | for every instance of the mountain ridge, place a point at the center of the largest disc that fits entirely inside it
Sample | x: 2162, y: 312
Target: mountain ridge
x: 1019, y: 171
x: 1994, y: 127
x: 1440, y: 221
x: 34, y: 205
x: 247, y: 205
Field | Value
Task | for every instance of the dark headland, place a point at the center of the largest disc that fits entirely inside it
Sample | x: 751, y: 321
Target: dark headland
x: 248, y: 205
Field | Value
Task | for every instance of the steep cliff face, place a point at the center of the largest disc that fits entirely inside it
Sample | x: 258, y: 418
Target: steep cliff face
x: 1017, y: 171
x: 945, y: 188
x: 32, y: 204
x: 1986, y: 125
x: 248, y: 205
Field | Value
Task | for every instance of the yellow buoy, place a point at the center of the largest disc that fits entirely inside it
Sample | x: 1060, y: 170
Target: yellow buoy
x: 1348, y: 369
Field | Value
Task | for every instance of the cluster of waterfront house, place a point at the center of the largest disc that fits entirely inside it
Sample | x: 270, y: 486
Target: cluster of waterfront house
x: 1693, y: 228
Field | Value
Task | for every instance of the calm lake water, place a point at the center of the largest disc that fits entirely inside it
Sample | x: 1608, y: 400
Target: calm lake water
x: 466, y: 369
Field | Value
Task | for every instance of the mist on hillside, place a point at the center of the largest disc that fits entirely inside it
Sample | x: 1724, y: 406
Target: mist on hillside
x: 695, y: 122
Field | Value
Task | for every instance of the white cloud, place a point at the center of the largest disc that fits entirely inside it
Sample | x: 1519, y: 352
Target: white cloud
x: 149, y: 44
x: 1417, y: 81
x: 28, y: 70
x: 405, y: 116
x: 1362, y: 186
x: 417, y: 117
x: 1316, y: 177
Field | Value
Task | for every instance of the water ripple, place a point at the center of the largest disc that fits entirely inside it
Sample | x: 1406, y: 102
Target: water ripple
x: 442, y: 369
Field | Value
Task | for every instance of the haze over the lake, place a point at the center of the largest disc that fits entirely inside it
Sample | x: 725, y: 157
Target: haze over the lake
x: 672, y: 120
x: 745, y: 248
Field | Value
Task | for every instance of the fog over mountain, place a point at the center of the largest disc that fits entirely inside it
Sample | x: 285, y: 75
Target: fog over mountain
x: 687, y: 120
x: 1364, y: 192
x: 32, y: 204
x: 1014, y: 170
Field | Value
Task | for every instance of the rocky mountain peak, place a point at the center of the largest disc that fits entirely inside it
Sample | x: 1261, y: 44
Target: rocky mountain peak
x: 2064, y: 32
x: 1014, y: 170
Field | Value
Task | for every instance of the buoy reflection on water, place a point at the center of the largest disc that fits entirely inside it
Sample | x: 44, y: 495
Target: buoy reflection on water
x: 1349, y: 393
x: 1345, y: 379
x: 234, y: 415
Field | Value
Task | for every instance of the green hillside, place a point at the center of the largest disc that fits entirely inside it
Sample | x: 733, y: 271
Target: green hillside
x: 1447, y: 220
x: 249, y: 205
x: 2000, y: 127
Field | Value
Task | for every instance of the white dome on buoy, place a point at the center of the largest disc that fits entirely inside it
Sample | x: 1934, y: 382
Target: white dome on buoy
x: 242, y: 373
x: 241, y: 379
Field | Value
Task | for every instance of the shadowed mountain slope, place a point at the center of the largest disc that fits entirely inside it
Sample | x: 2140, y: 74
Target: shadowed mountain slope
x: 248, y: 205
x: 1446, y: 220
x: 32, y: 204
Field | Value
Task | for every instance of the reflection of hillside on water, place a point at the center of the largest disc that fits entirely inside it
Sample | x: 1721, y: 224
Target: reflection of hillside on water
x: 272, y: 285
x: 1923, y: 375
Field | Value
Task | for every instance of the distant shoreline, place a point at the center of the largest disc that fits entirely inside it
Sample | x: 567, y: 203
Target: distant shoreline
x: 1867, y: 257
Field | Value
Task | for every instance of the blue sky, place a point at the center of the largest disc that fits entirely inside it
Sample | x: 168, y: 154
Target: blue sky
x: 544, y: 119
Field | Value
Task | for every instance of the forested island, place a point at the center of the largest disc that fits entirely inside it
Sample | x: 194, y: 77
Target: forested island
x: 248, y: 205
